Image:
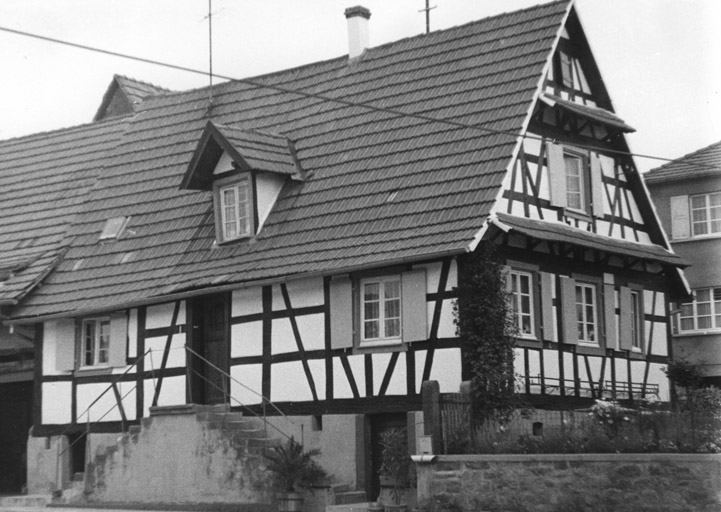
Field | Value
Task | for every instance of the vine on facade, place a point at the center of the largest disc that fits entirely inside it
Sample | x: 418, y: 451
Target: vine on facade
x: 485, y: 327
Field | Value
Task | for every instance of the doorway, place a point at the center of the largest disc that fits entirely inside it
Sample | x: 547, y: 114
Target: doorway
x: 380, y: 423
x: 211, y: 339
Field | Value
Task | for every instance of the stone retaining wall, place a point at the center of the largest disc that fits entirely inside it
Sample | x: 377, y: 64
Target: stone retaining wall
x: 578, y: 483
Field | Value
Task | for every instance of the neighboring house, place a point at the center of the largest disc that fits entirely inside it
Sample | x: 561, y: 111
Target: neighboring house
x: 687, y: 193
x: 44, y: 178
x: 282, y: 249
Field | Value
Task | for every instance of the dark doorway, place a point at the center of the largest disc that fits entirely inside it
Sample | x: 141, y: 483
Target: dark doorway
x: 16, y: 401
x: 380, y: 423
x: 211, y: 339
x: 77, y: 444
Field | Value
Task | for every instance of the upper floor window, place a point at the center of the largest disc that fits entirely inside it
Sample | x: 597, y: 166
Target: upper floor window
x: 235, y: 210
x: 575, y: 197
x: 703, y: 313
x: 706, y: 213
x: 381, y: 310
x: 522, y: 303
x: 576, y: 180
x: 95, y: 342
x: 636, y: 318
x: 586, y: 318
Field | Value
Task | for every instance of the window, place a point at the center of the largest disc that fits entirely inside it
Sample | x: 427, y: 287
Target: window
x: 574, y: 182
x: 636, y: 316
x: 704, y: 313
x: 576, y: 179
x: 381, y: 310
x: 113, y: 228
x: 95, y: 342
x: 706, y: 214
x: 586, y: 313
x: 522, y: 303
x: 235, y: 210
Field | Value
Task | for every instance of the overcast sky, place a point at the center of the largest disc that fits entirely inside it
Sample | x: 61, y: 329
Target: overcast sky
x: 660, y: 59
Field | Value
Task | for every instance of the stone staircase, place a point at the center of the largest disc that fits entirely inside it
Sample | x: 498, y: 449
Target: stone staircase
x: 181, y: 454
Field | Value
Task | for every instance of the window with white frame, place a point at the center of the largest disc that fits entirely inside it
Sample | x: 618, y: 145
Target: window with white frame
x: 522, y: 303
x: 95, y: 342
x: 574, y: 182
x: 636, y: 316
x: 380, y: 310
x: 235, y: 217
x: 586, y: 317
x: 704, y: 313
x: 706, y: 214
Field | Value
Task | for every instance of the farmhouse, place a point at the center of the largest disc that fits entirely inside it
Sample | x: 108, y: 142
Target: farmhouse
x: 291, y: 250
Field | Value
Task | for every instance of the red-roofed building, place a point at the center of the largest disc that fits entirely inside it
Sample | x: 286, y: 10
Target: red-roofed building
x: 295, y: 248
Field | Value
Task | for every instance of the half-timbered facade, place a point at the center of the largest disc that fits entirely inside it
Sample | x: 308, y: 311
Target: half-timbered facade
x: 295, y: 247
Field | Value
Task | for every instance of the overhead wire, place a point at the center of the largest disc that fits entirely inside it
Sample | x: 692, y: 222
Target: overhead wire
x: 313, y: 95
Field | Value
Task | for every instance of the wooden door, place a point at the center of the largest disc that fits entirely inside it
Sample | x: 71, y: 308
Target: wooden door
x: 211, y: 339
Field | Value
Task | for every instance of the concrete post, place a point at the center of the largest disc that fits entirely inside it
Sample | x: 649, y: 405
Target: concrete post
x: 431, y: 394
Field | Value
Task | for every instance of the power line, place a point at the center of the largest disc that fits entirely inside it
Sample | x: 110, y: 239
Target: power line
x: 323, y: 97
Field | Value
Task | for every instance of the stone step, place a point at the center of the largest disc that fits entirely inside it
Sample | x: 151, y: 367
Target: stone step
x: 350, y: 507
x: 350, y: 497
x: 25, y: 501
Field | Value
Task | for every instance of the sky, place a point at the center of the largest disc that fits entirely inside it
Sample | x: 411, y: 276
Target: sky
x: 660, y: 59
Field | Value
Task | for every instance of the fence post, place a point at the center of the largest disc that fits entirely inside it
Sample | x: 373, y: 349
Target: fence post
x: 431, y: 394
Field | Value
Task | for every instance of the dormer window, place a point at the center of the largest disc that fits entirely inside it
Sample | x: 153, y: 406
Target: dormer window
x: 113, y: 228
x: 246, y: 171
x: 233, y: 208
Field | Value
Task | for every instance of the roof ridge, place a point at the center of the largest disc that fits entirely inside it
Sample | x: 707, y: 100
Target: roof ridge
x: 677, y: 160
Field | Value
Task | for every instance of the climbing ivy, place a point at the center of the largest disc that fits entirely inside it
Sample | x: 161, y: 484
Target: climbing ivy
x: 486, y: 332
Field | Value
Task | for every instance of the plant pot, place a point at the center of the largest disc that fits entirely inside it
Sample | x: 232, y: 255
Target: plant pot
x: 290, y: 502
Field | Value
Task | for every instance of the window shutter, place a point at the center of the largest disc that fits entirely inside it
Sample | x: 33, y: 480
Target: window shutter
x: 625, y: 306
x: 65, y: 344
x: 415, y: 322
x: 341, y: 313
x: 609, y: 315
x: 547, y: 306
x: 568, y: 304
x: 597, y: 191
x: 557, y: 174
x: 118, y: 340
x: 680, y: 221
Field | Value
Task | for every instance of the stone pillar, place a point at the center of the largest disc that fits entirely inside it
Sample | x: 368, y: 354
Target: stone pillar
x: 431, y: 393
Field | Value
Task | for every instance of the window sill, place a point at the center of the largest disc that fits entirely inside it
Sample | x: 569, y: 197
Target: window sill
x: 708, y: 332
x: 380, y: 347
x: 93, y: 371
x: 696, y: 238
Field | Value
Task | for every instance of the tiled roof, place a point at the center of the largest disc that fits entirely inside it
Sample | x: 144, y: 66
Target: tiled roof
x: 136, y: 90
x: 557, y: 232
x: 704, y: 162
x: 380, y: 187
x: 43, y: 180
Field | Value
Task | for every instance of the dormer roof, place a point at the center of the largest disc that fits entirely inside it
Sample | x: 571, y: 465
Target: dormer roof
x: 124, y: 95
x: 248, y: 149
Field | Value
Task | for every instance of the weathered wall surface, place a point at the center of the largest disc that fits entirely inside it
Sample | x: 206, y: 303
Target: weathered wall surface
x: 176, y: 458
x: 557, y: 483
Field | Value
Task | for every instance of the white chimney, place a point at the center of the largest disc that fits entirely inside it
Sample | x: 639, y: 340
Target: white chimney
x: 358, y: 32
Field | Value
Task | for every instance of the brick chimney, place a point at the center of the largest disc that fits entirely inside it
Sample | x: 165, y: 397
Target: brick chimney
x: 358, y: 32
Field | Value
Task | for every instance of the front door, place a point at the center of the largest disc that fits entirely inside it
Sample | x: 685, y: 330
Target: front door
x: 380, y: 423
x: 211, y: 335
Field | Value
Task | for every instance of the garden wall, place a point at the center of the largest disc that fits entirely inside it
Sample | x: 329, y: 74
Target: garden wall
x: 578, y: 483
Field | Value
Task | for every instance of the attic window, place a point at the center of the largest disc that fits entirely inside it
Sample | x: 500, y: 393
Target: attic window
x: 114, y: 228
x: 234, y: 213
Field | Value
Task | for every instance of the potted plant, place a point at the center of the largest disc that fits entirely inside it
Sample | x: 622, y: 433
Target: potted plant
x: 395, y: 469
x: 295, y: 468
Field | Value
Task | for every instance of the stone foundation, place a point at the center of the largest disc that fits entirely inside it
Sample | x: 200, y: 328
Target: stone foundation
x: 559, y: 483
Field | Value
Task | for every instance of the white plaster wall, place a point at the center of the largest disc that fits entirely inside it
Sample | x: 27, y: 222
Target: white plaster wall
x: 246, y: 339
x: 57, y: 402
x: 247, y: 301
x: 176, y: 355
x: 247, y: 385
x: 268, y: 186
x: 288, y: 383
x: 446, y: 369
x: 161, y: 315
x: 51, y: 345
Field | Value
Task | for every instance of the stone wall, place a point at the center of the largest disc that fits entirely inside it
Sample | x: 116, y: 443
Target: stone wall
x: 578, y: 483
